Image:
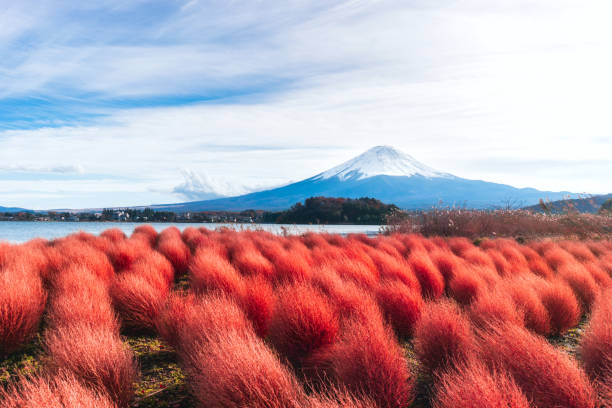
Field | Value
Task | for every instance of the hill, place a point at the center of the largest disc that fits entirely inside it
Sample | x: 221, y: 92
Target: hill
x: 386, y: 174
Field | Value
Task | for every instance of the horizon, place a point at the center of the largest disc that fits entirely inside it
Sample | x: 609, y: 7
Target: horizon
x: 118, y: 104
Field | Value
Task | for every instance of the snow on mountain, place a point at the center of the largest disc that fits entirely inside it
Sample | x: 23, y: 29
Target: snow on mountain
x: 380, y: 161
x: 383, y: 173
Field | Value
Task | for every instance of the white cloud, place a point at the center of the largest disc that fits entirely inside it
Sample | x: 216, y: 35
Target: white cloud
x: 462, y: 86
x: 201, y: 186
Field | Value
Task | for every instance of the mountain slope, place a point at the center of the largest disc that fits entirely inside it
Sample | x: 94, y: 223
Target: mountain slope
x: 383, y: 173
x: 583, y: 205
x: 13, y: 209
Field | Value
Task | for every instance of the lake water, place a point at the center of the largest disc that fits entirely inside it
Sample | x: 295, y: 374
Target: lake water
x: 21, y: 231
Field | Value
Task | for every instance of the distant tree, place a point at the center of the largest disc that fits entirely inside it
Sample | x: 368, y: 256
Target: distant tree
x: 606, y: 207
x: 332, y: 210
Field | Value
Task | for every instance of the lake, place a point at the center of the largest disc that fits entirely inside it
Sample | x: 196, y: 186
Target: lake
x: 22, y: 231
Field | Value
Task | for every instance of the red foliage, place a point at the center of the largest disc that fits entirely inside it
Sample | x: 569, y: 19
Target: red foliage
x: 401, y: 306
x: 155, y: 268
x: 350, y: 300
x: 446, y: 262
x: 370, y: 364
x: 147, y: 232
x: 502, y: 266
x: 528, y: 303
x: 239, y: 370
x: 392, y: 268
x: 596, y: 342
x: 459, y: 245
x: 289, y: 267
x: 304, y: 321
x: 249, y: 261
x: 125, y: 252
x: 22, y: 302
x: 258, y: 303
x: 561, y: 304
x: 190, y: 320
x: 473, y: 385
x: 582, y: 283
x: 443, y: 336
x: 113, y: 235
x: 465, y: 286
x: 137, y: 301
x: 430, y: 278
x: 210, y: 272
x: 579, y: 250
x: 557, y: 257
x: 548, y: 377
x: 192, y: 237
x: 61, y: 391
x: 478, y: 257
x: 72, y: 252
x: 171, y: 245
x: 96, y: 357
x: 602, y: 278
x: 492, y: 307
x: 333, y: 398
x: 80, y: 297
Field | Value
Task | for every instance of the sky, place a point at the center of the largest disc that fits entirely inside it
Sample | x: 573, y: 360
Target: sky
x: 117, y: 103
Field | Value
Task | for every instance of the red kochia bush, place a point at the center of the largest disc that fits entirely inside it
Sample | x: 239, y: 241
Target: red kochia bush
x: 155, y: 268
x: 190, y: 320
x: 579, y: 250
x: 171, y: 245
x: 557, y: 256
x: 547, y: 376
x: 113, y: 234
x: 80, y: 297
x: 465, y: 285
x: 401, y: 306
x: 443, y: 336
x: 561, y: 304
x: 494, y: 306
x: 125, y: 252
x: 249, y: 261
x: 61, y: 391
x: 22, y: 302
x: 209, y: 272
x: 146, y: 232
x: 96, y: 357
x: 446, y: 262
x: 70, y: 252
x: 339, y: 399
x: 237, y: 369
x: 430, y: 278
x: 258, y: 303
x: 137, y: 301
x: 304, y: 321
x: 370, y: 364
x: 502, y: 266
x: 528, y: 303
x: 394, y: 268
x: 582, y: 283
x: 472, y: 385
x: 596, y: 343
x: 288, y: 267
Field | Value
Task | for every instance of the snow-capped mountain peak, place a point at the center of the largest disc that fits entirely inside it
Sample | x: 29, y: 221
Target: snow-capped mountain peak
x: 381, y: 161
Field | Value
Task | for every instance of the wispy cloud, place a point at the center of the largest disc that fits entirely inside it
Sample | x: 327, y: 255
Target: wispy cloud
x: 254, y: 93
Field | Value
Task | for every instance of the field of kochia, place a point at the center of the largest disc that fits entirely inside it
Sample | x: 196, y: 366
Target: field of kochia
x: 318, y: 321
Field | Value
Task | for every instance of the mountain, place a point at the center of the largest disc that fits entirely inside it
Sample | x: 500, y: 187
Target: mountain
x: 383, y: 173
x: 584, y: 205
x: 12, y: 209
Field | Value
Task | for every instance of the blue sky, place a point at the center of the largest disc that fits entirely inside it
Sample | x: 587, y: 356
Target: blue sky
x: 137, y: 102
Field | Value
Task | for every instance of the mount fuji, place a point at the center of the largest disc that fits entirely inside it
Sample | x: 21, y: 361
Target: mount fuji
x: 387, y: 174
